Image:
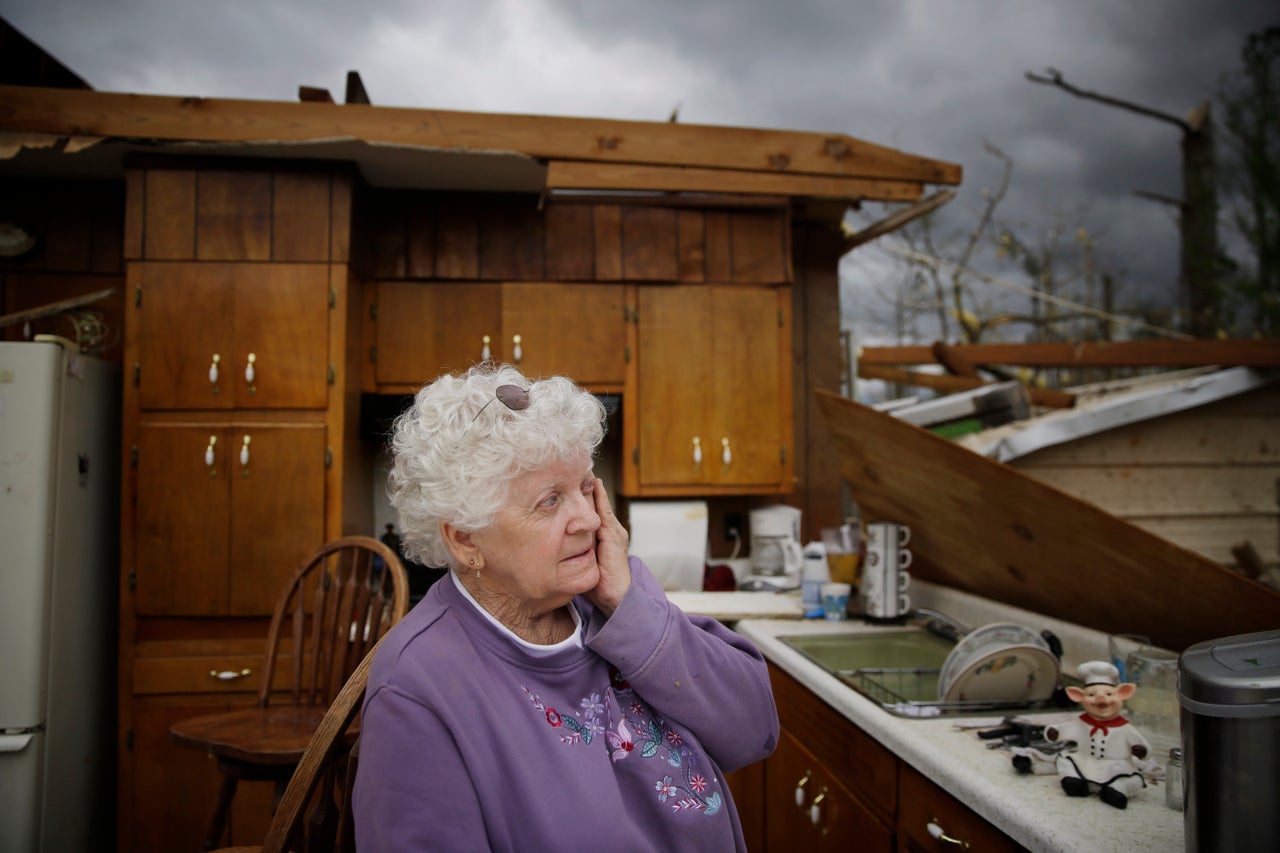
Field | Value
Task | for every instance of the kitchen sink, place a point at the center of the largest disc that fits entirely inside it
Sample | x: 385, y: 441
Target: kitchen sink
x: 897, y: 670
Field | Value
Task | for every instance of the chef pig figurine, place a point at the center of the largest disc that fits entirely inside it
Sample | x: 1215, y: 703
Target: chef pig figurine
x: 1110, y: 755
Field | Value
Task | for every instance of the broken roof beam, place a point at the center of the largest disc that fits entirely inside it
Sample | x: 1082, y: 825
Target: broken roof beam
x: 897, y: 219
x: 949, y: 384
x: 564, y: 175
x: 788, y: 152
x: 1261, y: 352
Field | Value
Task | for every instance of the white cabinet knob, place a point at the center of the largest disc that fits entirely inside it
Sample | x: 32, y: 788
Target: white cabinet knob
x: 485, y: 354
x: 517, y: 352
x: 244, y: 453
x: 726, y: 455
x: 697, y: 450
x: 213, y: 369
x: 248, y: 369
x: 208, y: 454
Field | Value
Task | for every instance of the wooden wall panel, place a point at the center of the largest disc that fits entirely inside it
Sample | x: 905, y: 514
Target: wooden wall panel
x: 608, y: 242
x: 649, y: 241
x: 458, y: 238
x: 300, y: 209
x: 386, y: 239
x: 341, y: 218
x: 719, y: 247
x: 420, y: 239
x: 759, y: 246
x: 570, y: 242
x: 169, y: 215
x: 511, y: 240
x: 233, y: 216
x: 691, y: 245
x: 135, y: 182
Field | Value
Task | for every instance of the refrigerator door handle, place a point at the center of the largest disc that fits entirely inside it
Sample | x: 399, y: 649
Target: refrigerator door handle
x: 16, y: 742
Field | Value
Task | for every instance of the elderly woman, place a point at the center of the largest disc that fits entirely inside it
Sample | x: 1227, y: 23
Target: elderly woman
x: 545, y: 695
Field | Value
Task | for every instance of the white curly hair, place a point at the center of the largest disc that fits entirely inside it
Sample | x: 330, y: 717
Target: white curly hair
x: 457, y: 449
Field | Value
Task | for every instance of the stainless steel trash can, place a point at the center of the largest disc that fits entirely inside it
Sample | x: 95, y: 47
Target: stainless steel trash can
x: 1229, y: 693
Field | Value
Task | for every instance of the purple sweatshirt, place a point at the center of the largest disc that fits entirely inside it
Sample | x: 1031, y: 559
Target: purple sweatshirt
x: 469, y: 741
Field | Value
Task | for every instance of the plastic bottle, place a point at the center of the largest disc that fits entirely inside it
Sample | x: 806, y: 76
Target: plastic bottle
x: 813, y: 574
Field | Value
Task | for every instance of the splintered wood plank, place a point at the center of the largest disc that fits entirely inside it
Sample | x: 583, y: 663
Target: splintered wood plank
x: 1167, y: 489
x: 983, y: 527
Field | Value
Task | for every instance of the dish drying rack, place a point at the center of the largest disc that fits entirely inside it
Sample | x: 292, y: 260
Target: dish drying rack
x: 903, y: 692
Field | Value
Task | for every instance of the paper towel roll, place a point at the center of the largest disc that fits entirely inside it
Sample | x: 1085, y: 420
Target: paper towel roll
x: 671, y: 538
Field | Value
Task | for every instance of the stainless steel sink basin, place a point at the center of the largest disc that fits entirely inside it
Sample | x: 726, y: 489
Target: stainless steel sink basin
x: 896, y: 669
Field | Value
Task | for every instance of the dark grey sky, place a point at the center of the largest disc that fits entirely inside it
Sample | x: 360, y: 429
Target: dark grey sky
x: 932, y: 77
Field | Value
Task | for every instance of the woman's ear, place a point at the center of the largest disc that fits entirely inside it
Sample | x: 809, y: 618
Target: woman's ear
x: 461, y: 544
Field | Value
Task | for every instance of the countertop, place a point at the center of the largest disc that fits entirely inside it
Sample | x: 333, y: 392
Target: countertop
x: 1033, y: 810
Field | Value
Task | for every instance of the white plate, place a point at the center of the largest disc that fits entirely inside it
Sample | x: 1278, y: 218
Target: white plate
x: 1001, y: 662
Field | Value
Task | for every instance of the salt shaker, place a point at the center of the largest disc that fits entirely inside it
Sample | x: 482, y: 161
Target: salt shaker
x: 1173, y: 780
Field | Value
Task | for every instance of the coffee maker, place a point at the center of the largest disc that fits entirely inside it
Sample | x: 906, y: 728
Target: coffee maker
x: 775, y: 542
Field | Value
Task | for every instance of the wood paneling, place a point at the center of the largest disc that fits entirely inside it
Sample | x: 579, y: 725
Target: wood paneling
x: 458, y: 238
x: 608, y: 243
x: 570, y: 242
x: 420, y: 240
x: 233, y: 216
x: 169, y: 215
x: 649, y: 241
x: 760, y: 249
x: 511, y: 239
x: 691, y: 245
x: 301, y: 209
x: 719, y: 246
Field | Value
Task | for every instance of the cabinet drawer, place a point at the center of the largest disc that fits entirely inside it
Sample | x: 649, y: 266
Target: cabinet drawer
x: 921, y: 803
x: 197, y: 674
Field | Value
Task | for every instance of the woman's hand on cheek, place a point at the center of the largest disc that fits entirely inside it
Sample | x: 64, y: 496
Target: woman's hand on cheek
x: 611, y: 555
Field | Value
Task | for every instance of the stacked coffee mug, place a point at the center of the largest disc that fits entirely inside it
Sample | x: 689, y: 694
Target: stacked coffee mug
x: 884, y: 572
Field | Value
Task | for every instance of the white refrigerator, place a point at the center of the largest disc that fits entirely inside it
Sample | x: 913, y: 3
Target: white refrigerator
x: 59, y: 521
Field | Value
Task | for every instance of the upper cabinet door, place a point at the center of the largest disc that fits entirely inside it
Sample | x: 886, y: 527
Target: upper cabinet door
x: 574, y: 330
x: 426, y: 330
x: 713, y: 391
x: 224, y: 336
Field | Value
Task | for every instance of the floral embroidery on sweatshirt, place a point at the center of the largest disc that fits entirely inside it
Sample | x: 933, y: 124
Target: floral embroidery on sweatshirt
x: 630, y: 727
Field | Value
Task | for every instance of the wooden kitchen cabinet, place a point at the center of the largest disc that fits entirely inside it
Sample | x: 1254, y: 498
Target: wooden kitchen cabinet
x: 873, y: 800
x: 711, y: 409
x: 231, y: 335
x: 231, y: 478
x: 811, y: 809
x: 922, y: 804
x: 226, y: 513
x: 425, y: 329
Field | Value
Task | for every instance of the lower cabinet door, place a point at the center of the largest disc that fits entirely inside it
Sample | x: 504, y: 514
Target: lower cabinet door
x: 810, y: 810
x: 930, y: 819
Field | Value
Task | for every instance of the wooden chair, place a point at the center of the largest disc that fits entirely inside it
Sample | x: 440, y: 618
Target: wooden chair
x: 314, y: 813
x: 335, y: 609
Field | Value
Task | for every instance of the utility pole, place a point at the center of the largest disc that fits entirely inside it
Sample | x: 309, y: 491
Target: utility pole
x: 1198, y: 289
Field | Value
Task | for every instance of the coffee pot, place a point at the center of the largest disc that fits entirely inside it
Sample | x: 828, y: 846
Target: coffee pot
x: 775, y: 540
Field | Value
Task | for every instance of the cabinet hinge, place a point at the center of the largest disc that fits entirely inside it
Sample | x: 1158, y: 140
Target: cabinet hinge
x: 373, y: 353
x: 626, y: 354
x: 137, y: 296
x: 137, y: 374
x: 133, y: 581
x: 133, y: 456
x: 128, y: 740
x: 373, y: 310
x: 781, y: 319
x: 782, y: 454
x: 635, y: 456
x: 328, y: 458
x: 333, y: 375
x: 333, y: 298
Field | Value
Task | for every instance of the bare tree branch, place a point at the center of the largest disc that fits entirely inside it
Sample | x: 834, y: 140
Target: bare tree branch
x: 1054, y: 78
